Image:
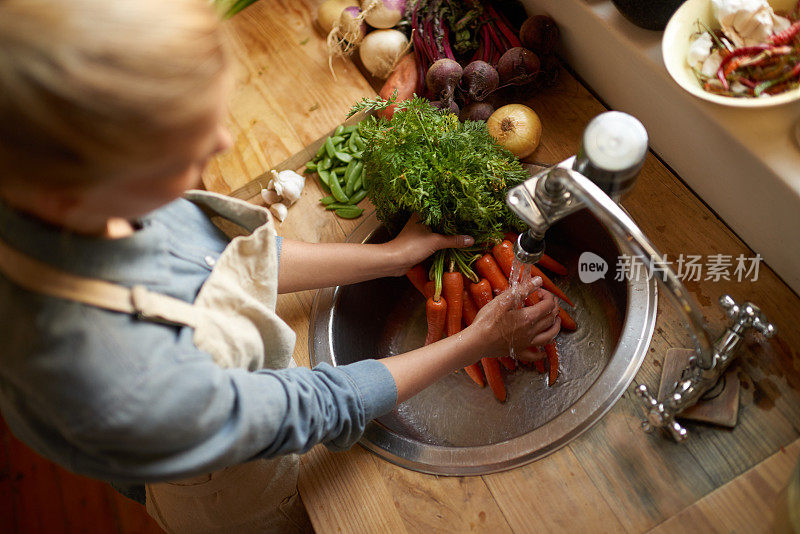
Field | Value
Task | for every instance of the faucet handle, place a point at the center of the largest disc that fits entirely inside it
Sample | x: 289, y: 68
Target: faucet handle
x: 746, y: 316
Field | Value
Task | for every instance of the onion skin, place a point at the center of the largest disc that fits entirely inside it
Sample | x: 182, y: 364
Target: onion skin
x: 518, y: 66
x: 479, y: 80
x: 540, y: 34
x: 517, y: 128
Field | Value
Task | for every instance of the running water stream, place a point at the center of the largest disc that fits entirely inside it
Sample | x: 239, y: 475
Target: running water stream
x: 519, y: 272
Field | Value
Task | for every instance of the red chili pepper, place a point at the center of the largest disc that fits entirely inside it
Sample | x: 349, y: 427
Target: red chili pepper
x: 743, y: 51
x: 786, y: 35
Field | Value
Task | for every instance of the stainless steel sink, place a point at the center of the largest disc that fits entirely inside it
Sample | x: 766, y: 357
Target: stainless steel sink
x: 456, y: 428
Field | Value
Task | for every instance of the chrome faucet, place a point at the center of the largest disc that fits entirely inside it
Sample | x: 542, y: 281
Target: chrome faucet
x: 613, y: 151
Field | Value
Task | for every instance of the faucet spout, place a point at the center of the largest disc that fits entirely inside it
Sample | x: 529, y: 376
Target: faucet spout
x: 613, y: 151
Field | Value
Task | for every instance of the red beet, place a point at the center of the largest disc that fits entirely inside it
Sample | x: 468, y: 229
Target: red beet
x: 476, y: 111
x: 479, y: 80
x: 539, y: 34
x: 442, y: 79
x: 518, y: 66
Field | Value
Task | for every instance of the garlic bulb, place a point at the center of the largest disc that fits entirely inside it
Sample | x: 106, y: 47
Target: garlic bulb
x: 270, y: 196
x: 288, y: 184
x: 747, y: 22
x: 279, y: 210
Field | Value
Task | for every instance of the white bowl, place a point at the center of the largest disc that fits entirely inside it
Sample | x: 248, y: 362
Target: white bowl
x: 675, y: 45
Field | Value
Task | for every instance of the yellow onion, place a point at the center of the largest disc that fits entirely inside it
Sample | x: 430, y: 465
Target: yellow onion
x: 517, y: 128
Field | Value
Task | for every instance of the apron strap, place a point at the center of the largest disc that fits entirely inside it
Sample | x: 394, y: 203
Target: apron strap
x: 38, y: 277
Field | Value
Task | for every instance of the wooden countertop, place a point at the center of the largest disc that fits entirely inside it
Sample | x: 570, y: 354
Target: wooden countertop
x: 612, y: 478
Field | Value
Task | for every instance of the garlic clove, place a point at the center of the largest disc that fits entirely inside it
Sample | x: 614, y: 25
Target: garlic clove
x: 270, y: 197
x: 291, y: 185
x: 280, y: 211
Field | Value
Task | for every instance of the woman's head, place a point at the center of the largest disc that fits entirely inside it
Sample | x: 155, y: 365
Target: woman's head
x: 98, y: 93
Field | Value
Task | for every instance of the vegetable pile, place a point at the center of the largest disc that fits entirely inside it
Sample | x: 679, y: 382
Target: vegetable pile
x: 341, y: 171
x: 454, y: 175
x: 763, y: 62
x: 460, y: 301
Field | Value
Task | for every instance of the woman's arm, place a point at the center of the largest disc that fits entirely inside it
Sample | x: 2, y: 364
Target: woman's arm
x: 314, y: 265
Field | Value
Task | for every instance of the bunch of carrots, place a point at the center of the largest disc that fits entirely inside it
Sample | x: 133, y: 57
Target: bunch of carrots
x: 454, y: 307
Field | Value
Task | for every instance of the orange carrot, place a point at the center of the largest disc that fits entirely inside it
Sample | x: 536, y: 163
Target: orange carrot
x: 511, y: 236
x: 491, y: 367
x: 552, y: 265
x: 436, y: 312
x: 550, y: 286
x: 508, y: 362
x: 552, y: 360
x: 403, y: 79
x: 418, y: 276
x: 429, y: 289
x: 481, y: 293
x: 504, y: 255
x: 567, y: 322
x: 452, y: 291
x: 487, y: 267
x: 469, y: 312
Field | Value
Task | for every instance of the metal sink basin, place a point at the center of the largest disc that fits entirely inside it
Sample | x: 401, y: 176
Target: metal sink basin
x: 457, y: 428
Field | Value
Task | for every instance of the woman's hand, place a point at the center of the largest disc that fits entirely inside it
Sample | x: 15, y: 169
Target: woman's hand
x: 500, y: 325
x: 416, y: 242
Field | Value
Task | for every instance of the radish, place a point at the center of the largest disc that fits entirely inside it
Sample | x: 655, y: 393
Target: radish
x: 383, y: 14
x: 380, y: 51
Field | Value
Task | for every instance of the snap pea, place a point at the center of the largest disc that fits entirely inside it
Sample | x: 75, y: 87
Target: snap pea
x: 311, y: 166
x: 358, y: 197
x: 336, y: 206
x: 338, y: 131
x: 329, y: 148
x: 359, y: 180
x: 336, y: 139
x: 320, y: 151
x: 324, y: 177
x: 358, y: 141
x: 350, y: 129
x: 336, y: 190
x: 325, y: 164
x: 349, y: 212
x: 355, y: 172
x: 327, y: 201
x: 351, y: 143
x: 344, y: 157
x: 341, y: 169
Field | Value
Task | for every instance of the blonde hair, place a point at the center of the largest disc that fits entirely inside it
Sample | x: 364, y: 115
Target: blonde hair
x: 92, y: 89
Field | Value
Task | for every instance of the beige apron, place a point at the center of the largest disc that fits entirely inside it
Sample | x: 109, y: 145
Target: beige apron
x: 234, y: 320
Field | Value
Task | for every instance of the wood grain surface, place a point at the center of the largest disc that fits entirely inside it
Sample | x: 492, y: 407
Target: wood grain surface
x: 613, y: 478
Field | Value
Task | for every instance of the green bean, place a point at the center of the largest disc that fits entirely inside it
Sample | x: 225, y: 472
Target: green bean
x: 325, y: 164
x: 358, y: 197
x: 338, y: 131
x: 329, y: 148
x: 344, y: 157
x: 327, y: 201
x: 349, y: 212
x: 336, y: 190
x: 355, y: 172
x: 359, y: 142
x: 336, y: 206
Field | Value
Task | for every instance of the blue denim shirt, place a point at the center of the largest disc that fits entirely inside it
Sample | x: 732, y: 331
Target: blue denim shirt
x: 113, y: 397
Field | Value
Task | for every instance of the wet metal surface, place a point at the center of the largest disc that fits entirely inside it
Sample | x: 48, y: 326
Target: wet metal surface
x: 455, y: 427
